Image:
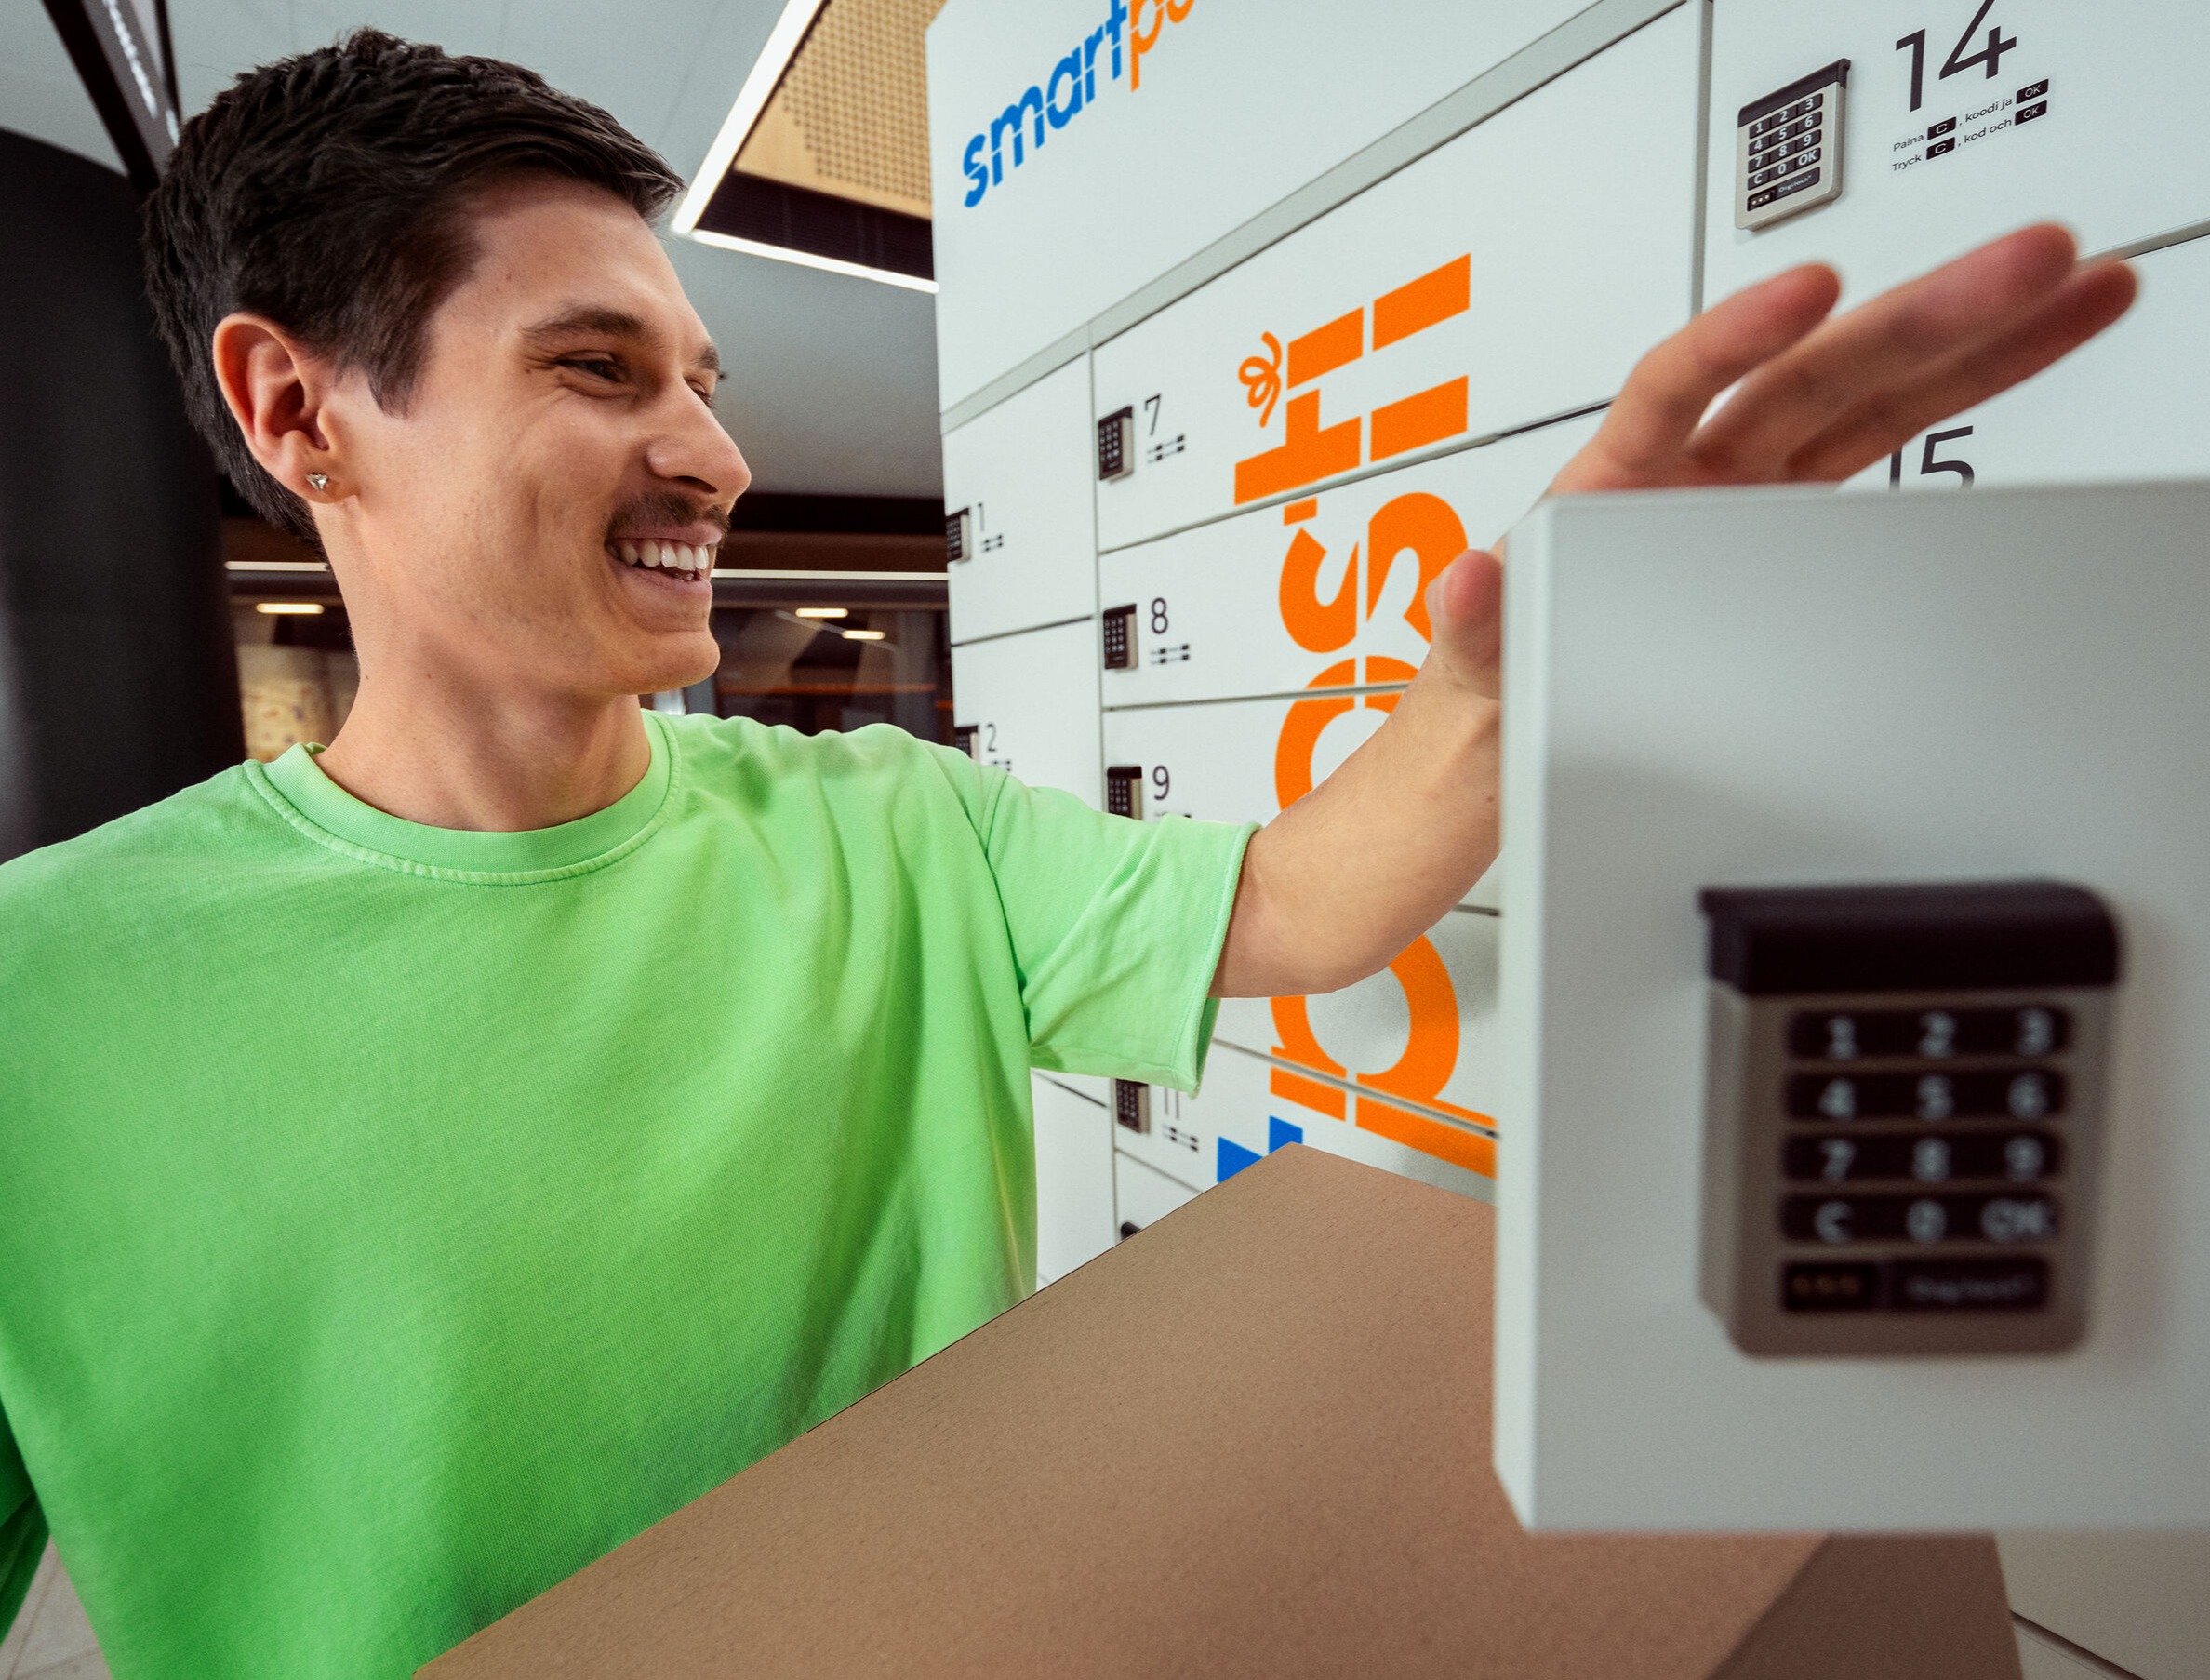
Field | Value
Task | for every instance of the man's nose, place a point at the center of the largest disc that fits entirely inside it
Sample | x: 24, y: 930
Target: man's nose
x: 696, y: 450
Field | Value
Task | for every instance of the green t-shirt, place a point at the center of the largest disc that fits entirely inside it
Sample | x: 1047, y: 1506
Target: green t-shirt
x: 394, y: 1219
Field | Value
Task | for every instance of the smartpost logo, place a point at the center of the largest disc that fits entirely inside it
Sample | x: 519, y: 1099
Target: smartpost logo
x: 1070, y: 89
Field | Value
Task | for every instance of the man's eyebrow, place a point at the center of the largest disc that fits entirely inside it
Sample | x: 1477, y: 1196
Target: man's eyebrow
x: 614, y: 323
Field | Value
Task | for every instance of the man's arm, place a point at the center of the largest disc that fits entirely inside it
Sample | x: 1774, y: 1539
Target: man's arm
x: 1349, y: 875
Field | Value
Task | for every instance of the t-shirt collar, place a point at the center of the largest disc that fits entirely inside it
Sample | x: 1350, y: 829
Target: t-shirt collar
x: 328, y: 812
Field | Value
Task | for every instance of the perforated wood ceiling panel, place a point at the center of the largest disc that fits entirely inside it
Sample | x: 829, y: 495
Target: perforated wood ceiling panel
x: 850, y: 116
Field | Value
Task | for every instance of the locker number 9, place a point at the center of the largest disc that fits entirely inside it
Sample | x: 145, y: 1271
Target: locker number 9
x: 1159, y: 781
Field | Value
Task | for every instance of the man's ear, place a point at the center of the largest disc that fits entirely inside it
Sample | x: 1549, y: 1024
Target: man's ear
x: 277, y: 390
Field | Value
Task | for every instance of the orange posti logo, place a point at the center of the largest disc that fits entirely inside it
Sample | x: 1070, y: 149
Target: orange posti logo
x: 1311, y: 450
x: 1415, y: 533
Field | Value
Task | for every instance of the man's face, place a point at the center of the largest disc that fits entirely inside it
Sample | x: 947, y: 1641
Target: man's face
x: 560, y: 432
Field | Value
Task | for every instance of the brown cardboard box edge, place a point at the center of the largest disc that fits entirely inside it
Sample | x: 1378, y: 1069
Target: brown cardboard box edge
x: 1253, y: 1440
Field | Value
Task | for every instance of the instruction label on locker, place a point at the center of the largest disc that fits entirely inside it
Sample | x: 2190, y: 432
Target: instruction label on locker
x: 1967, y: 118
x: 1509, y: 277
x: 1027, y: 705
x: 2126, y: 406
x: 1286, y: 598
x: 1249, y: 1107
x: 1017, y: 507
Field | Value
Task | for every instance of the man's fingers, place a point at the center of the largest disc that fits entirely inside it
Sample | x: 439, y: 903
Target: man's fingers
x: 2089, y: 300
x: 1466, y: 609
x: 1881, y: 345
x: 1658, y: 408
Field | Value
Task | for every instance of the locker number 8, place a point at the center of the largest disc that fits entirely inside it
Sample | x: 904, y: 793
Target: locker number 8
x: 1158, y: 615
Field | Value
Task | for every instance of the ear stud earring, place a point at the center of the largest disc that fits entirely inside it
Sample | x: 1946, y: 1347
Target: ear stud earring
x: 319, y: 481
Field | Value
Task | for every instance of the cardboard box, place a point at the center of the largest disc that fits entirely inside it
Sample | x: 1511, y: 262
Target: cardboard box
x: 1253, y: 1440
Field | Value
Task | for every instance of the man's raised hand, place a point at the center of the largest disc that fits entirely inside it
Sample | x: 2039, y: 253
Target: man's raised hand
x: 1817, y: 399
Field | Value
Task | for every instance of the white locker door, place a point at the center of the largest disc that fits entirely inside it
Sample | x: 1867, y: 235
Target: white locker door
x: 1098, y: 1091
x: 1032, y: 700
x: 1271, y: 601
x: 1422, y: 1034
x: 1965, y: 118
x: 1075, y: 1221
x: 1132, y: 161
x: 1173, y: 1133
x: 1243, y: 761
x: 1511, y: 277
x: 1143, y: 1195
x: 1250, y: 1106
x: 2124, y: 408
x: 1017, y: 507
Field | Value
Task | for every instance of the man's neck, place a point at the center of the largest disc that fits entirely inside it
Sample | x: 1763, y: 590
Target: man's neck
x: 494, y: 761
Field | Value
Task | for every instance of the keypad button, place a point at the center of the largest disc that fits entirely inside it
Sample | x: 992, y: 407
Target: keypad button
x: 2020, y: 1158
x: 1836, y: 1221
x: 2019, y: 1285
x: 2029, y: 1094
x: 1829, y: 1286
x: 2031, y: 1029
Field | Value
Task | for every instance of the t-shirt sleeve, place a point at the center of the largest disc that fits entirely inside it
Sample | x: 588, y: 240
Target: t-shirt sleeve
x: 22, y: 1529
x: 1116, y: 927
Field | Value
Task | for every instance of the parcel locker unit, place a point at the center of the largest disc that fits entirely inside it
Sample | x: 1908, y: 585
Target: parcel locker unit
x: 1250, y: 1105
x: 1906, y: 696
x: 1028, y: 703
x: 2126, y: 406
x: 1327, y: 590
x: 1143, y: 1195
x: 1022, y: 552
x: 1424, y: 1032
x: 1075, y: 1221
x: 1081, y: 148
x: 1965, y: 118
x: 1096, y: 1089
x: 1510, y: 276
x: 1243, y: 761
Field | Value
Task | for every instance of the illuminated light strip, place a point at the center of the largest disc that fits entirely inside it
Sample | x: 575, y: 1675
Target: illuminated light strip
x: 775, y: 57
x: 834, y: 265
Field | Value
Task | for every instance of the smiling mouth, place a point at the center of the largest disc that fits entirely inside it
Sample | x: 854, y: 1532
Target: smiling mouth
x: 680, y: 561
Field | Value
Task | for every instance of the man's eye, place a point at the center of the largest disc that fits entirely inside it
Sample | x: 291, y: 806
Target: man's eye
x: 599, y: 367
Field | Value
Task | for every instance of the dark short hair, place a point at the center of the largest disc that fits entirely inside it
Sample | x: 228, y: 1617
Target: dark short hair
x: 327, y: 191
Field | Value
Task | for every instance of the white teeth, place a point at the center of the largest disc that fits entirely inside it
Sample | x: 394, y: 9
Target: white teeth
x: 692, y: 560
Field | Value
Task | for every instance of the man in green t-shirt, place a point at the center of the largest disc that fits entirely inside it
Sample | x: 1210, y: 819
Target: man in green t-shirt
x: 426, y: 1162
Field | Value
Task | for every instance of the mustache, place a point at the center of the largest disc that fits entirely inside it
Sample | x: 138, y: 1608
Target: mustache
x: 667, y: 507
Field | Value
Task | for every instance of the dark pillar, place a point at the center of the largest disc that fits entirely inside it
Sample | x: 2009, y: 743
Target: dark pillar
x: 124, y: 683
